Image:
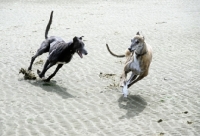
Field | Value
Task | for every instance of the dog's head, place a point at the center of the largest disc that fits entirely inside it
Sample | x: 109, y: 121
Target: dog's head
x: 79, y: 46
x: 136, y: 43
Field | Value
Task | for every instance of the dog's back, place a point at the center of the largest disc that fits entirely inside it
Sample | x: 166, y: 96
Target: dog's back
x: 147, y: 58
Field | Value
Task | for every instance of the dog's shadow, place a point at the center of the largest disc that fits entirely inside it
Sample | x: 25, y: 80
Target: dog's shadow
x: 134, y: 104
x: 52, y: 87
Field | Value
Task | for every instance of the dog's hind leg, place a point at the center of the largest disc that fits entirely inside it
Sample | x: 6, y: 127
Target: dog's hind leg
x: 43, y: 49
x: 123, y: 79
x: 124, y: 75
x: 33, y: 59
x: 54, y: 73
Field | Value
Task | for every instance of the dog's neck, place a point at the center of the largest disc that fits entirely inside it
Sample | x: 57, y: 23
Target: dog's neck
x: 139, y: 55
x: 71, y: 49
x: 141, y: 52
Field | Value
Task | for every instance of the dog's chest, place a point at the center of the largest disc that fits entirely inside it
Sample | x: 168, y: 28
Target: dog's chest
x: 64, y: 59
x: 135, y: 65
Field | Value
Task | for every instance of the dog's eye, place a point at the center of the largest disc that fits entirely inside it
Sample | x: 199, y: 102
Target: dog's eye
x: 137, y: 42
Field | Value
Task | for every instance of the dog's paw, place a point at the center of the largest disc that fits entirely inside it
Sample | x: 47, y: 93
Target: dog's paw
x: 125, y: 95
x: 46, y: 80
x: 122, y: 84
x: 39, y: 74
x: 29, y: 69
x: 125, y: 90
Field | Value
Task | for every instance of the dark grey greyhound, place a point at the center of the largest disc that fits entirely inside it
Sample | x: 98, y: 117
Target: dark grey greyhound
x: 60, y: 52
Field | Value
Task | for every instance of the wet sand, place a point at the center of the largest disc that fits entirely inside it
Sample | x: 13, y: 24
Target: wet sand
x: 83, y: 98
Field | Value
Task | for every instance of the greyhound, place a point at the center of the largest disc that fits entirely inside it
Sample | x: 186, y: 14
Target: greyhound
x: 60, y: 52
x: 139, y: 56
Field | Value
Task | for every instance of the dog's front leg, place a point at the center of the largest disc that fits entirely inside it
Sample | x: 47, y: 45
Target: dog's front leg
x: 126, y: 83
x: 47, y: 65
x: 138, y: 79
x: 54, y: 73
x: 41, y: 74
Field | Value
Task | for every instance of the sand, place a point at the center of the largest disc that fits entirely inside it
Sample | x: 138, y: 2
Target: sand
x: 83, y: 98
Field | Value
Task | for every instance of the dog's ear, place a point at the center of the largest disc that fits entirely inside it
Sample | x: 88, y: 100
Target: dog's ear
x: 75, y: 39
x: 81, y: 37
x: 138, y: 33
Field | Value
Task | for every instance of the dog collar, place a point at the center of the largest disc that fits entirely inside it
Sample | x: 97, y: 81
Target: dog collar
x: 138, y: 55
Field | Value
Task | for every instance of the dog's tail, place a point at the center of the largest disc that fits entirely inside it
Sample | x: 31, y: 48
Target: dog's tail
x: 48, y: 25
x: 119, y: 56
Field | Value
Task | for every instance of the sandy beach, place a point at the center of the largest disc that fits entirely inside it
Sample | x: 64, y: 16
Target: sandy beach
x: 84, y: 99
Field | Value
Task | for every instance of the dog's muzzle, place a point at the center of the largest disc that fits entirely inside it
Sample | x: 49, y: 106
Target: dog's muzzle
x: 131, y: 50
x: 79, y: 52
